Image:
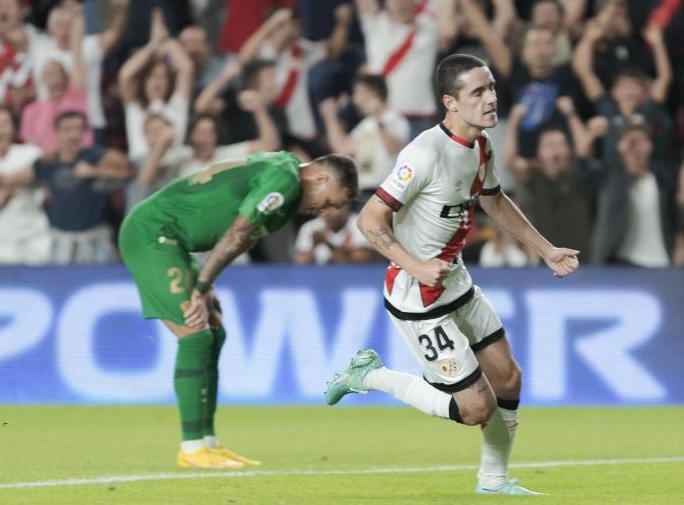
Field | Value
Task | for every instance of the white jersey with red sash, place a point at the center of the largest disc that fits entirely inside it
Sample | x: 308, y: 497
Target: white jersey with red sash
x: 433, y: 189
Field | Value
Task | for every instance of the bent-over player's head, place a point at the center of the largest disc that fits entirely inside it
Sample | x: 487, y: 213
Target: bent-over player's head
x: 467, y: 89
x: 330, y: 181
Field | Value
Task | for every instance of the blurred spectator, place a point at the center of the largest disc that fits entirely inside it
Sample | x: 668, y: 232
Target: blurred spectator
x: 279, y: 39
x: 156, y: 79
x: 65, y: 93
x: 556, y: 192
x: 203, y: 148
x: 375, y: 142
x: 243, y: 18
x: 503, y: 250
x: 620, y: 45
x: 56, y: 45
x: 637, y: 216
x: 332, y: 237
x: 402, y: 42
x: 78, y: 183
x: 563, y: 19
x: 501, y: 15
x: 532, y: 79
x: 23, y: 224
x: 208, y: 64
x: 16, y: 84
x: 632, y: 92
x: 221, y: 98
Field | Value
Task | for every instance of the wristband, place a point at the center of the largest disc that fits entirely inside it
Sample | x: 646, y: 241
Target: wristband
x: 202, y: 287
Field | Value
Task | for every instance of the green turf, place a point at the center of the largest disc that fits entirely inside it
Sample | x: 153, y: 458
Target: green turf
x: 335, y: 456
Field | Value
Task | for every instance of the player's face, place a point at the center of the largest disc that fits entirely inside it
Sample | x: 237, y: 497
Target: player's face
x: 322, y: 193
x: 476, y: 103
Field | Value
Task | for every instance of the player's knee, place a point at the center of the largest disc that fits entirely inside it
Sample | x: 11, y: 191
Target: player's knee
x: 473, y: 413
x: 513, y: 381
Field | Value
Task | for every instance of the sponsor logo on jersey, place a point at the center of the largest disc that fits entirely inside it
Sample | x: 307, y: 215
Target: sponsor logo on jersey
x: 405, y: 173
x: 402, y: 176
x: 270, y: 203
x: 448, y: 367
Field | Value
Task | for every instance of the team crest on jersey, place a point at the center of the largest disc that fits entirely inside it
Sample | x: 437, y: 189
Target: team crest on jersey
x: 270, y: 203
x: 448, y: 367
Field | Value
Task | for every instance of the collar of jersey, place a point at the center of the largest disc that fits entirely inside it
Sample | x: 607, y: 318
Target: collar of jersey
x: 455, y: 138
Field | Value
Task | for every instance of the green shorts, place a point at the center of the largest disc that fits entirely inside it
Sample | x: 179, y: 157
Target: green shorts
x: 163, y: 271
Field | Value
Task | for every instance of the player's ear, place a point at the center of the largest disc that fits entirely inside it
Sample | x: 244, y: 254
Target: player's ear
x: 450, y: 103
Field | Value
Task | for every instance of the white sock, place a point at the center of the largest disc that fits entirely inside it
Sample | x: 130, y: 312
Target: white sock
x: 497, y: 441
x: 188, y: 446
x: 410, y: 389
x: 211, y: 441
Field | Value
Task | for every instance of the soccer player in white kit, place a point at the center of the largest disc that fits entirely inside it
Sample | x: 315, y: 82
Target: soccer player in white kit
x: 418, y: 219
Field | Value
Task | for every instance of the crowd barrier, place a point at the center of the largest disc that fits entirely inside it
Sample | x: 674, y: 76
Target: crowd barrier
x: 76, y: 335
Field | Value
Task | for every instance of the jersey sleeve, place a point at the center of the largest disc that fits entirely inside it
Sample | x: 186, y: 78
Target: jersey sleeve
x: 275, y: 188
x: 411, y: 173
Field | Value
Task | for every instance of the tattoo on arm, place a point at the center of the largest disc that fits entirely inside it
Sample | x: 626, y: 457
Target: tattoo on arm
x: 381, y: 238
x: 234, y: 242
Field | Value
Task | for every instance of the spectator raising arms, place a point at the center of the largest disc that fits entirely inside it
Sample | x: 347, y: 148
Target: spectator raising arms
x: 279, y: 39
x: 157, y: 78
x: 56, y: 46
x: 375, y: 142
x: 64, y: 93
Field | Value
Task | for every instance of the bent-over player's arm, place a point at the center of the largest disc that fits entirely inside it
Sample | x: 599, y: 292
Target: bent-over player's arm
x: 236, y: 240
x: 375, y: 222
x: 510, y: 218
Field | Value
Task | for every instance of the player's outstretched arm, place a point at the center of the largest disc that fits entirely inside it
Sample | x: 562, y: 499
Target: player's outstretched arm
x: 375, y: 222
x: 509, y: 217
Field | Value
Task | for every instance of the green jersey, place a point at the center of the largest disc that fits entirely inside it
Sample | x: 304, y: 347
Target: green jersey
x: 196, y: 211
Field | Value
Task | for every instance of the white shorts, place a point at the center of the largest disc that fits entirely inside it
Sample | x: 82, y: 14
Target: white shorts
x: 445, y: 346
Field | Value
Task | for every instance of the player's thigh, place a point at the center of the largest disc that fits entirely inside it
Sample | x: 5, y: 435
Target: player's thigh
x: 165, y: 277
x: 480, y: 322
x: 442, y: 350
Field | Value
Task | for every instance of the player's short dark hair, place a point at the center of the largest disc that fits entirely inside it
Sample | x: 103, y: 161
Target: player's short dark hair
x: 346, y: 171
x: 376, y: 83
x: 70, y: 114
x: 448, y: 74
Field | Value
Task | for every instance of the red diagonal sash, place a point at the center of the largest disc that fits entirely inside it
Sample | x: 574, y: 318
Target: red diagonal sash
x: 400, y: 52
x: 292, y: 77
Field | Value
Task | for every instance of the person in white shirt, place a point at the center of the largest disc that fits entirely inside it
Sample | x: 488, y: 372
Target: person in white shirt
x: 373, y: 143
x: 332, y: 237
x: 156, y: 79
x: 402, y: 43
x: 418, y: 219
x: 24, y: 228
x: 279, y: 39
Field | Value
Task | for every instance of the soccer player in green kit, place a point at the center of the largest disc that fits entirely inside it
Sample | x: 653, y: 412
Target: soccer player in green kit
x: 223, y: 209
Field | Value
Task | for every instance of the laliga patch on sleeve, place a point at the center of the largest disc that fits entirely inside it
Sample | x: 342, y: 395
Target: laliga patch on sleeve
x: 270, y: 203
x: 402, y: 175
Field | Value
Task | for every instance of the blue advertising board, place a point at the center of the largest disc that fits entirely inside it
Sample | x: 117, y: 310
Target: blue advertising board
x: 76, y: 335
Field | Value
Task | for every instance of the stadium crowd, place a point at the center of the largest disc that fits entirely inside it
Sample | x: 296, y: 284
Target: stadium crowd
x: 102, y: 102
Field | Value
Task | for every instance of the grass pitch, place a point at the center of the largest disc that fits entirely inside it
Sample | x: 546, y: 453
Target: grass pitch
x: 335, y: 456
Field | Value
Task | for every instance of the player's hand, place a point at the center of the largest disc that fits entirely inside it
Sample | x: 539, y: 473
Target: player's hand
x: 433, y: 272
x: 562, y: 261
x: 197, y: 315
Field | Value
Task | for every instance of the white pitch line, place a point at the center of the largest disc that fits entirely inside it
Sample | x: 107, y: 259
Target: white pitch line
x: 112, y: 479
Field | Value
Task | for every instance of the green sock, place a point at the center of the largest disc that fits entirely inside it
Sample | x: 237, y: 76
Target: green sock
x: 213, y: 377
x: 190, y: 381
